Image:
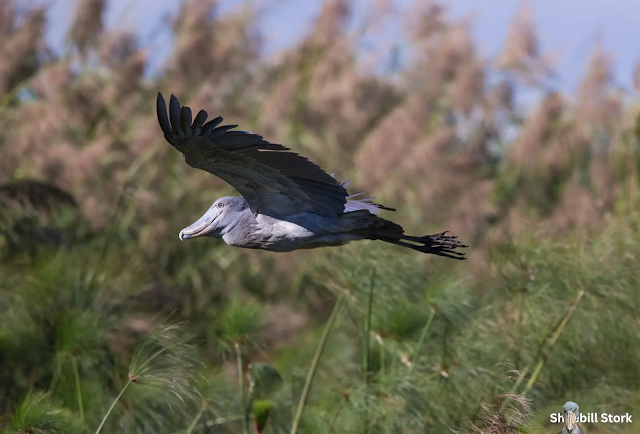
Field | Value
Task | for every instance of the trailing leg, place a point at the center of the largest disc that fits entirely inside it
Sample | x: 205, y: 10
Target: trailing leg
x: 437, y: 244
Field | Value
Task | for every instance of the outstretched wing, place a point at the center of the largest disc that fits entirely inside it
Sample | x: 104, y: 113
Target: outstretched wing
x: 272, y: 179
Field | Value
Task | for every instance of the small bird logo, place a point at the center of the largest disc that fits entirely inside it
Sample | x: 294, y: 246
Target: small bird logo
x: 571, y: 413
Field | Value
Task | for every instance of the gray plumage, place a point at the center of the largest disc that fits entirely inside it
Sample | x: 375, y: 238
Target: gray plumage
x: 571, y: 414
x: 288, y: 203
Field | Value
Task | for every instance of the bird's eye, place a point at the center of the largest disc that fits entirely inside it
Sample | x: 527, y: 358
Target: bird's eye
x: 220, y: 205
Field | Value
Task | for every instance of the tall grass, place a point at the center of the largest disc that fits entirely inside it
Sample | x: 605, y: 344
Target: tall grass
x: 109, y: 324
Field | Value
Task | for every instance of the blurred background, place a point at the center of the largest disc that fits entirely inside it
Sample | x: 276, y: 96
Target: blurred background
x: 514, y: 125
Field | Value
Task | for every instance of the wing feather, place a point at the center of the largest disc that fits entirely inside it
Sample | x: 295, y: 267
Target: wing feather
x: 273, y: 180
x: 185, y: 120
x: 198, y: 122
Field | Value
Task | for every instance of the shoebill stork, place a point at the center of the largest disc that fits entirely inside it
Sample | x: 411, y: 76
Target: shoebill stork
x: 571, y: 414
x: 288, y: 203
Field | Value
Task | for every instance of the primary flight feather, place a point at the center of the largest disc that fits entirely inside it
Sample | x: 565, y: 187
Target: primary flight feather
x: 287, y: 202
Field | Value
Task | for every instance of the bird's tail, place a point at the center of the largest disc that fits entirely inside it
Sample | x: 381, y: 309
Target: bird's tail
x: 437, y: 244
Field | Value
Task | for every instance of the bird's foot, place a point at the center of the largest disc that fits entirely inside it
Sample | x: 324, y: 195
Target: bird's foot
x: 442, y: 244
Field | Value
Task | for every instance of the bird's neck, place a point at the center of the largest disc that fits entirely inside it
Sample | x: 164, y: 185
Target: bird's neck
x: 243, y: 226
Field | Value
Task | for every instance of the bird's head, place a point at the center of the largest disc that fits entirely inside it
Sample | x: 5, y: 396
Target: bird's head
x: 221, y: 216
x: 571, y: 414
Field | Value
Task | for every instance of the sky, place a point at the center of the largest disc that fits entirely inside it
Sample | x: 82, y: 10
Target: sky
x: 568, y: 28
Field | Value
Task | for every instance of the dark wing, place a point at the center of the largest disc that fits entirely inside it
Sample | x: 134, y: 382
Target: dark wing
x: 272, y: 179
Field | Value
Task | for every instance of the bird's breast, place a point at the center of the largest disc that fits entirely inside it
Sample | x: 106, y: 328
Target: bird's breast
x: 283, y: 235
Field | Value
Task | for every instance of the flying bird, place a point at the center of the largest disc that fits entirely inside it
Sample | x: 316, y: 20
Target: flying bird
x: 288, y: 203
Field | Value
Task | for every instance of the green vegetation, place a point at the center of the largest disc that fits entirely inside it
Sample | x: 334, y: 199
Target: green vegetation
x: 110, y: 324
